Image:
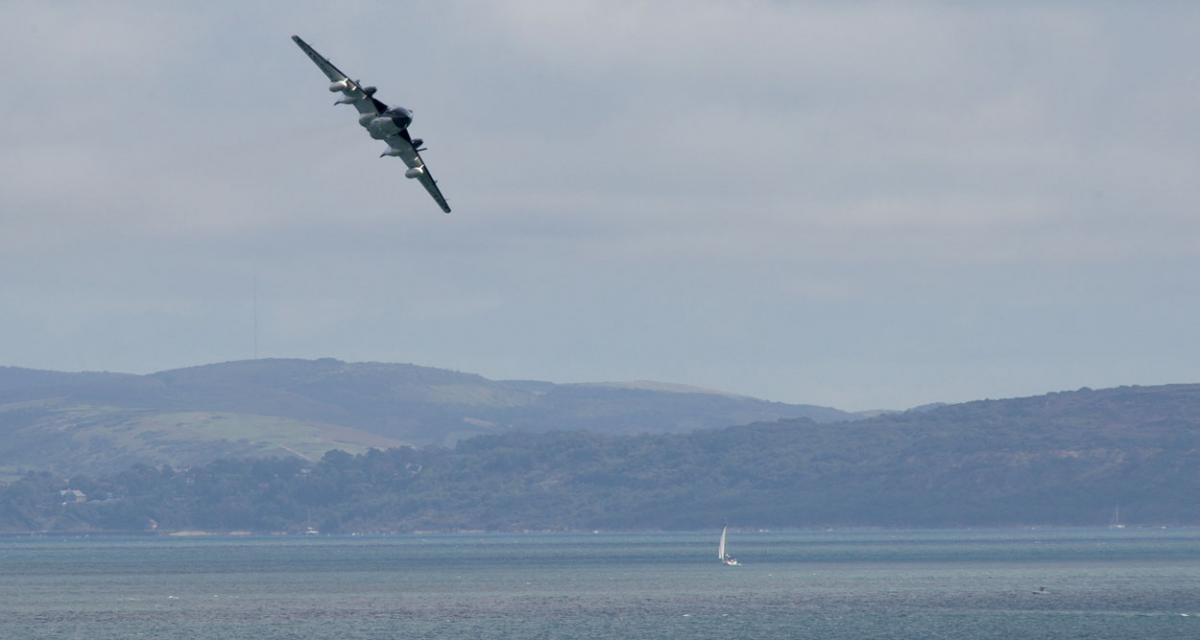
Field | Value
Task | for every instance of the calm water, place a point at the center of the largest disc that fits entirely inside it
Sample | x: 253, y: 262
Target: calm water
x: 830, y: 585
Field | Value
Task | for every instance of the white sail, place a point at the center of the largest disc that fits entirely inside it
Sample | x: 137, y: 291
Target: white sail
x: 721, y: 549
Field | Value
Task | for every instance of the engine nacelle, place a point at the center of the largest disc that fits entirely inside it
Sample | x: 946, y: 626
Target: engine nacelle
x: 417, y: 142
x: 340, y: 85
x: 369, y: 90
x: 415, y: 172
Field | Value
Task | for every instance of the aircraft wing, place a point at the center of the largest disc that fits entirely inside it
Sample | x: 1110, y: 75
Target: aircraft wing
x: 362, y: 100
x: 403, y: 147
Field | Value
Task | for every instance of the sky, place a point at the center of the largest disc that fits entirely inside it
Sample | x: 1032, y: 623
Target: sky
x: 851, y: 204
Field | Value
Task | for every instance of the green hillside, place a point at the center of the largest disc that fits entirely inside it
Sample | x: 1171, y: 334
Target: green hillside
x: 1059, y: 459
x: 100, y: 422
x: 88, y: 439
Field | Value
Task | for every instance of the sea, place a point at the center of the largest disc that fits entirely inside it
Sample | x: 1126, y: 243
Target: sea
x: 1098, y: 583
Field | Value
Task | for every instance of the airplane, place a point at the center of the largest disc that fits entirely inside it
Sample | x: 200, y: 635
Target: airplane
x: 380, y: 121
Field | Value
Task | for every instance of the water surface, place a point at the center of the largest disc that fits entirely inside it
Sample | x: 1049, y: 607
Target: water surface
x: 897, y: 584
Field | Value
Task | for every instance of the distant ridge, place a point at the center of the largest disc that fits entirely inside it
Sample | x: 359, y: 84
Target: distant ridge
x: 652, y: 385
x: 95, y: 422
x: 1061, y: 459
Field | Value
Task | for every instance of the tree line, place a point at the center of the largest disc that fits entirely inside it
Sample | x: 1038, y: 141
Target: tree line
x: 938, y: 470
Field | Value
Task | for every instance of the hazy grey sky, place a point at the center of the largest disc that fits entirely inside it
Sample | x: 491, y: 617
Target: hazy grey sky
x: 840, y: 203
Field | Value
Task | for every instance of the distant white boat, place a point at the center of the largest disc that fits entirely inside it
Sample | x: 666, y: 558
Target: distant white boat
x: 729, y: 560
x: 1116, y: 519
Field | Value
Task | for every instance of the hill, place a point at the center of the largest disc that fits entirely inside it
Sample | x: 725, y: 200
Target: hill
x: 102, y: 422
x: 1058, y: 459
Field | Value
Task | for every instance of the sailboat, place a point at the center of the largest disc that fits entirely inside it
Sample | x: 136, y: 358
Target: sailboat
x: 1116, y: 519
x: 729, y: 560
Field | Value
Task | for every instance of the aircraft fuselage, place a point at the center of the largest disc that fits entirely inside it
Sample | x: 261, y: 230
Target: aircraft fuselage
x: 388, y: 123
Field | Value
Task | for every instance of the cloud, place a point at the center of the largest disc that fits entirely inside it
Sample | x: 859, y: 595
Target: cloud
x: 673, y: 190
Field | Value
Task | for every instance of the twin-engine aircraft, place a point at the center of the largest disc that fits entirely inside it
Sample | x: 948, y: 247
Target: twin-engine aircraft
x: 381, y: 122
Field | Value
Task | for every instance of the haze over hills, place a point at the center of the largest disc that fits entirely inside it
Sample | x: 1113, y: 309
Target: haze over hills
x: 1059, y: 459
x: 98, y: 422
